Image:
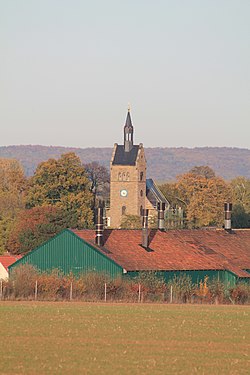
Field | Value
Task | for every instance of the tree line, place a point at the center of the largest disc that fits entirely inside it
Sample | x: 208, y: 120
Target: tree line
x: 201, y: 195
x: 63, y: 193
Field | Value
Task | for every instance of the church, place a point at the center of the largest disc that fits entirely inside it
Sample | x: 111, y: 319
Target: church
x: 130, y: 190
x: 220, y: 254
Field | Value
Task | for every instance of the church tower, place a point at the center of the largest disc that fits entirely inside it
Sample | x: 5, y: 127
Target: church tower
x: 127, y: 177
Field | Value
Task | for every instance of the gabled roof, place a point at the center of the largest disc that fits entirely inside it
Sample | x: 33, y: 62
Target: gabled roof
x: 154, y: 194
x: 7, y: 260
x: 177, y: 249
x: 125, y: 158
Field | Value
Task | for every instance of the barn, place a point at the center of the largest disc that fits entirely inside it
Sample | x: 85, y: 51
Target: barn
x: 216, y: 253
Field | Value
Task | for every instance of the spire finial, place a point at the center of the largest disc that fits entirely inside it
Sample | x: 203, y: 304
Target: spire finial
x: 129, y: 107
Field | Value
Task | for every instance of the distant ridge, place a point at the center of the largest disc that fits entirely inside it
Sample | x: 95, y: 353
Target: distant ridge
x: 162, y: 163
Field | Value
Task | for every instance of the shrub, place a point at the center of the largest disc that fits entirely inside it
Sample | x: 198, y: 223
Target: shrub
x: 23, y: 279
x: 153, y: 286
x: 94, y: 285
x: 52, y: 285
x: 183, y: 288
x: 217, y: 291
x: 240, y: 293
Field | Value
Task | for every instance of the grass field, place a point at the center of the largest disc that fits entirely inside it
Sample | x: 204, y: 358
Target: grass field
x: 81, y: 338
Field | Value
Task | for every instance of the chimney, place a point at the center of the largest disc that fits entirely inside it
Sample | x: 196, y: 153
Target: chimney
x: 145, y: 228
x: 161, y: 219
x: 228, y: 213
x: 99, y: 227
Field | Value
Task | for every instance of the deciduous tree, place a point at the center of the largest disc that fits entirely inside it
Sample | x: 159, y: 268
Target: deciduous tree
x: 63, y: 183
x: 34, y: 226
x: 12, y: 187
x: 201, y: 195
x: 99, y: 181
x: 241, y: 192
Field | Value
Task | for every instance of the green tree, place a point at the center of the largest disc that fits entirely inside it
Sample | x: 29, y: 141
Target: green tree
x: 63, y: 183
x: 131, y: 222
x: 206, y: 205
x: 201, y: 195
x: 240, y: 218
x: 241, y: 192
x: 240, y: 187
x: 34, y: 226
x: 12, y: 188
x: 172, y: 194
x: 204, y: 199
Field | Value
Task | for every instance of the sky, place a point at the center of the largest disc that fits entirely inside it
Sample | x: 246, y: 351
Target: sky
x: 69, y: 68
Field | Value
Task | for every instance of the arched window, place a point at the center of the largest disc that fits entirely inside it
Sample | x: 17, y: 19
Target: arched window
x: 123, y: 210
x: 141, y: 176
x: 141, y: 210
x: 141, y: 193
x: 120, y: 176
x: 124, y: 176
x: 127, y: 176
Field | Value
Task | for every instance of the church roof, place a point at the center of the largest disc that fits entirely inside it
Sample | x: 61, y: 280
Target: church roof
x: 154, y: 194
x: 128, y: 123
x: 125, y: 158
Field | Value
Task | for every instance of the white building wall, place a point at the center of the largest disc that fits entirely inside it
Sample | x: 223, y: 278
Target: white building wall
x: 3, y: 273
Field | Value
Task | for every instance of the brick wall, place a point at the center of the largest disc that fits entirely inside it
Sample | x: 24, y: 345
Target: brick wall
x: 133, y: 180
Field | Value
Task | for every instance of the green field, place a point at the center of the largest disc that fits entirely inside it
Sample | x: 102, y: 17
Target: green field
x: 82, y: 338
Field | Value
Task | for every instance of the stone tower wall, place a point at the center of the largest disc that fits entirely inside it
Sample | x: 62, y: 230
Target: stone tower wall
x: 133, y: 180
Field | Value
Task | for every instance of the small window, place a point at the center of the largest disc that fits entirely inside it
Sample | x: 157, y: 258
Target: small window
x: 127, y: 176
x: 141, y: 193
x: 124, y: 176
x: 120, y: 176
x: 141, y: 210
x: 123, y: 210
x: 141, y: 176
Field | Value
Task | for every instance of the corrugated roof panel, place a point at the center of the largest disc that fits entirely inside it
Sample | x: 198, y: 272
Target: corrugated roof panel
x: 177, y: 249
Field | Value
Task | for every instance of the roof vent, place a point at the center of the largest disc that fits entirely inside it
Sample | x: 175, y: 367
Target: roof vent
x: 99, y: 227
x: 161, y: 219
x: 228, y: 213
x: 145, y: 228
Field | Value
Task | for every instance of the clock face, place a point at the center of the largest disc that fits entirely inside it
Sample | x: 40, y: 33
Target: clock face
x: 123, y: 193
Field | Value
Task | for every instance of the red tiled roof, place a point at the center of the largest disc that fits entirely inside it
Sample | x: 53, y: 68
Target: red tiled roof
x: 7, y: 260
x: 173, y: 250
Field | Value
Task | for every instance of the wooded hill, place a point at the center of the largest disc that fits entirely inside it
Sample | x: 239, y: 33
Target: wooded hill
x: 164, y: 164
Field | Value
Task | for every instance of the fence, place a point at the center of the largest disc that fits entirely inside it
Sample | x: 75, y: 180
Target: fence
x: 28, y: 284
x: 134, y: 292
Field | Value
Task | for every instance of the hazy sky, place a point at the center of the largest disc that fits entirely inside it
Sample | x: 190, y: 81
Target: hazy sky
x: 68, y: 68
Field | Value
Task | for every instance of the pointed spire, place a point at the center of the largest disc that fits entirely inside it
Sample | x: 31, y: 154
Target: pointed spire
x: 128, y: 123
x: 128, y: 133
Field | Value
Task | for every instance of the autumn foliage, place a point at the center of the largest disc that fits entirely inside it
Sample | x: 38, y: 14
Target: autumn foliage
x: 63, y: 193
x: 201, y: 195
x: 145, y: 287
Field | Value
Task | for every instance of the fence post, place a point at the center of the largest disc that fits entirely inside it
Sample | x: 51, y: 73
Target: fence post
x: 105, y: 292
x: 36, y: 291
x: 1, y: 290
x: 171, y: 294
x: 71, y: 291
x: 139, y: 293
